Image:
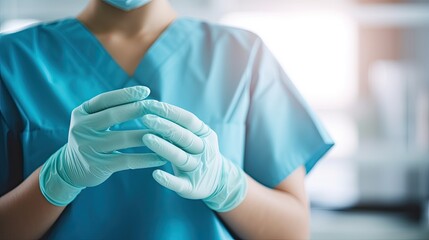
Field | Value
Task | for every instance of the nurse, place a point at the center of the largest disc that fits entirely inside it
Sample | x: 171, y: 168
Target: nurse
x: 128, y: 122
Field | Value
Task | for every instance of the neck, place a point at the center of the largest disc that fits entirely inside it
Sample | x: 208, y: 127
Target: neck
x: 102, y: 18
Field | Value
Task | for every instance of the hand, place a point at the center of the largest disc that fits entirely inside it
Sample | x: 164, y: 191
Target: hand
x: 200, y: 170
x: 91, y: 154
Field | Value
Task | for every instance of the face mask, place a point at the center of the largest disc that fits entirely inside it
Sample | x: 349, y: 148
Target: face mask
x: 127, y: 5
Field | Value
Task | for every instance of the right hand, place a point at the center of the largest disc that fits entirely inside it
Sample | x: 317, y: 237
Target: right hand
x: 91, y: 154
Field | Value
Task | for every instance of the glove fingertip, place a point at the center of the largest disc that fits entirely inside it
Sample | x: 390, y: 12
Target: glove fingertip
x: 145, y: 91
x: 148, y: 139
x: 160, y: 177
x: 138, y: 92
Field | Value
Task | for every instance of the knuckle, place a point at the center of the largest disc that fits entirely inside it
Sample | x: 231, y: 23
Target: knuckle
x: 78, y: 111
x: 139, y: 107
x: 212, y: 137
x: 75, y: 129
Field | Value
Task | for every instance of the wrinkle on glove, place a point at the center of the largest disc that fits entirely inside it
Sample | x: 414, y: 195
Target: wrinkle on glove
x: 200, y: 170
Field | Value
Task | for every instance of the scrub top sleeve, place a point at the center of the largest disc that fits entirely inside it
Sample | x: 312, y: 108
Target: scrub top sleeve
x: 282, y: 133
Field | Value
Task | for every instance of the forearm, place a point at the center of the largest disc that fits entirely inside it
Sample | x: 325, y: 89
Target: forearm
x: 268, y: 214
x: 24, y: 211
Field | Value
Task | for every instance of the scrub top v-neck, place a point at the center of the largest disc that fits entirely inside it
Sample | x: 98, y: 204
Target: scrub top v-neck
x: 99, y: 59
x: 225, y: 76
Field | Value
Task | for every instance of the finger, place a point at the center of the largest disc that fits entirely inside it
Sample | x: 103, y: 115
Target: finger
x: 178, y: 115
x: 179, y: 158
x: 172, y: 182
x: 115, y: 98
x: 124, y: 161
x: 180, y: 136
x: 115, y: 115
x: 116, y: 140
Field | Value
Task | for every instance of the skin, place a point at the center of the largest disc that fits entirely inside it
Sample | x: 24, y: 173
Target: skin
x: 279, y: 213
x: 24, y: 211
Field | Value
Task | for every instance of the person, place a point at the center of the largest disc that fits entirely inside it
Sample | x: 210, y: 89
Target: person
x: 218, y: 149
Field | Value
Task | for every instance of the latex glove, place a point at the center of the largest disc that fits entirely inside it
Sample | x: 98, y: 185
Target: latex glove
x: 200, y: 170
x: 90, y: 155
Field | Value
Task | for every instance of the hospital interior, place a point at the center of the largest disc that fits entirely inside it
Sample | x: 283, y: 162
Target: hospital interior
x: 363, y: 67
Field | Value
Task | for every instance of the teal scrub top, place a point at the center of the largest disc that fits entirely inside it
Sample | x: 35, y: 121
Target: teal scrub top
x: 226, y: 76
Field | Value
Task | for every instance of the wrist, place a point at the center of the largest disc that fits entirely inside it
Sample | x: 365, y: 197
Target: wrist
x: 232, y: 191
x: 53, y: 186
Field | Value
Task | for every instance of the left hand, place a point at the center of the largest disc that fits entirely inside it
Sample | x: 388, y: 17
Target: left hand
x: 200, y: 170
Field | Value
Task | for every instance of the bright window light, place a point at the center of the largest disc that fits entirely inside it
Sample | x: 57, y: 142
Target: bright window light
x: 333, y: 183
x: 317, y: 49
x: 344, y: 130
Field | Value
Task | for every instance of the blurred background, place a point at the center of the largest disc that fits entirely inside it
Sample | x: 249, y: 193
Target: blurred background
x: 363, y: 65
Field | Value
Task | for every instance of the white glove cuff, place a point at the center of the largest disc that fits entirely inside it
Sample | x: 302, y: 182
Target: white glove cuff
x: 232, y: 193
x: 53, y: 187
